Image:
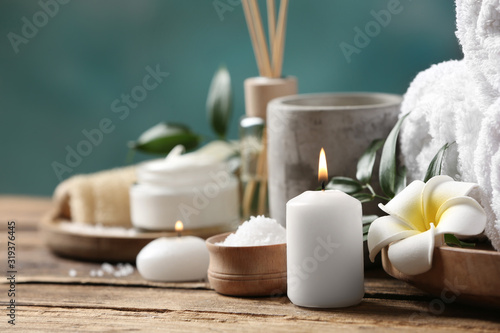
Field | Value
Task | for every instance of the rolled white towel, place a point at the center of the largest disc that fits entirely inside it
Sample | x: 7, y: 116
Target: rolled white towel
x: 432, y: 121
x: 487, y: 169
x: 478, y: 30
x: 460, y: 101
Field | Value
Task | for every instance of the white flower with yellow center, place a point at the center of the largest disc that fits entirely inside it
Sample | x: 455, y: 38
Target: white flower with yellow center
x: 419, y: 216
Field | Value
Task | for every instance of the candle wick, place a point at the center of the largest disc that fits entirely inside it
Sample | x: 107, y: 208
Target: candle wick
x: 178, y: 234
x: 323, y: 185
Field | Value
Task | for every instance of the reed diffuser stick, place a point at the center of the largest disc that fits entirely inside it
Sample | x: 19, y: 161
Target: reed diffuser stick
x: 261, y: 38
x: 271, y: 23
x: 279, y: 45
x: 262, y: 172
x: 269, y: 67
x: 248, y: 197
x: 253, y: 36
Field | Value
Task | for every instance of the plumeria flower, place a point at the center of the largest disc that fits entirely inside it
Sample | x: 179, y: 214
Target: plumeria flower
x: 419, y: 216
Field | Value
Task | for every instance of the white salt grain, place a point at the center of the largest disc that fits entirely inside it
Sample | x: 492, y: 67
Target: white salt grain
x: 108, y: 268
x: 72, y: 272
x: 127, y: 269
x: 257, y: 231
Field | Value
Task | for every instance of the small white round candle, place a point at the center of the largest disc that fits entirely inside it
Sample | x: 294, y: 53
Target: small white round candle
x: 324, y: 250
x: 174, y: 259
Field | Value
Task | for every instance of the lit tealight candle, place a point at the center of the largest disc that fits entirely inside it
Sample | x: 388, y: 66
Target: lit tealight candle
x: 174, y: 258
x: 324, y: 247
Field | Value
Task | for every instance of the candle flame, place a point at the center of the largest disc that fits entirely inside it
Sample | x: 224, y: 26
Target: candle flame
x: 179, y: 226
x: 322, y: 168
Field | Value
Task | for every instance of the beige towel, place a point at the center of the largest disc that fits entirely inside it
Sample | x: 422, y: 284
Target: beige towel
x: 98, y: 198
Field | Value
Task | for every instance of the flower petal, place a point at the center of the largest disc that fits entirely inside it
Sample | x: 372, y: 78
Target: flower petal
x: 413, y: 255
x: 461, y: 216
x: 384, y: 231
x: 437, y: 190
x: 407, y: 206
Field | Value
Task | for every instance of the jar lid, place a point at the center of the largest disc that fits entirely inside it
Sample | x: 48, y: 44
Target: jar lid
x: 179, y: 170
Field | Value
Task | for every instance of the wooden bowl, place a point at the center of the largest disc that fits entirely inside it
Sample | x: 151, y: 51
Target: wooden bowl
x: 465, y: 275
x: 246, y: 270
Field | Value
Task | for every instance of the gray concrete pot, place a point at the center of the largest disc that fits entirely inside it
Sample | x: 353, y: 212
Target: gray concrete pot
x: 300, y: 125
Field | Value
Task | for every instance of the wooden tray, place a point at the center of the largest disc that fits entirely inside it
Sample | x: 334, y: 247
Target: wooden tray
x: 110, y: 248
x: 465, y: 275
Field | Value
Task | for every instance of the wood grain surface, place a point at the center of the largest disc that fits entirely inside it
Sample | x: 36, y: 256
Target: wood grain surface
x: 48, y: 299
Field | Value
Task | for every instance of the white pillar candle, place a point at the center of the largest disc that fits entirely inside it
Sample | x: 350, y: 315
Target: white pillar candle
x: 324, y: 249
x: 171, y: 259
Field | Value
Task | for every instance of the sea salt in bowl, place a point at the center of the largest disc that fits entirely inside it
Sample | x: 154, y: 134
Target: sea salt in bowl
x: 258, y: 270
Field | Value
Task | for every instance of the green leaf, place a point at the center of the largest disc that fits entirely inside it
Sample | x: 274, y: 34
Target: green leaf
x: 400, y: 183
x: 387, y: 170
x: 368, y: 219
x: 367, y: 160
x: 344, y: 184
x: 436, y: 165
x: 452, y: 240
x: 363, y: 197
x: 161, y: 138
x: 219, y: 102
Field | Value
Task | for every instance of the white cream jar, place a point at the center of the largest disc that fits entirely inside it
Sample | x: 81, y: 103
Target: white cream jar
x: 195, y: 188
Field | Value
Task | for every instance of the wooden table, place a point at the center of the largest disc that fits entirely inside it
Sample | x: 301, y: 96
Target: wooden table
x: 48, y: 299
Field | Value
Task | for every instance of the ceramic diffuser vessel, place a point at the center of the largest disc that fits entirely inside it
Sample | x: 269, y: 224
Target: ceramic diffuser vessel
x: 246, y: 270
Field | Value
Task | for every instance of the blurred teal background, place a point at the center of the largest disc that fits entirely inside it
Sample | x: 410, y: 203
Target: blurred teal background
x: 64, y: 79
